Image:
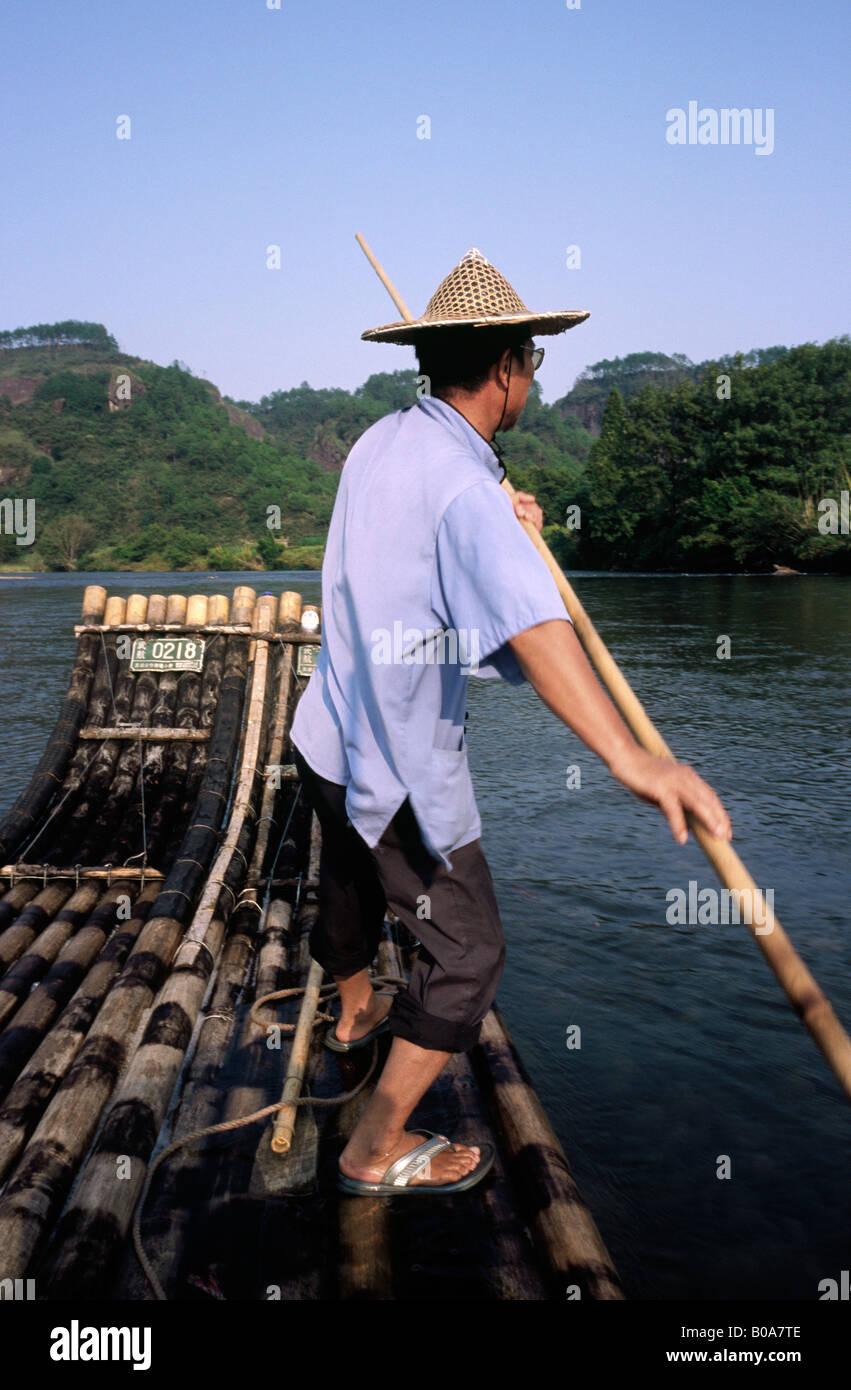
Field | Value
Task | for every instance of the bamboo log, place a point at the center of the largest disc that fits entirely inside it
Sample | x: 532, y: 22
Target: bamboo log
x: 157, y: 607
x: 365, y: 1265
x: 565, y: 1234
x: 94, y: 602
x: 181, y: 630
x: 115, y: 611
x: 218, y: 609
x: 55, y: 1053
x: 91, y: 774
x: 110, y: 787
x: 492, y: 1222
x: 242, y: 608
x: 54, y: 767
x: 11, y: 903
x: 154, y: 734
x: 111, y: 872
x: 28, y: 969
x: 289, y: 608
x: 34, y: 918
x: 137, y: 608
x: 276, y: 745
x: 198, y: 1106
x: 264, y: 614
x: 168, y: 819
x: 175, y: 608
x: 196, y: 610
x: 282, y: 1130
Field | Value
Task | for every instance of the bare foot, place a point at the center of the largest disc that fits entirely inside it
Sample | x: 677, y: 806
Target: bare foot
x: 354, y: 1027
x: 447, y: 1166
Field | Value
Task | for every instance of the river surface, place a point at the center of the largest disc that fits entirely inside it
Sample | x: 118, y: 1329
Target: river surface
x: 691, y: 1062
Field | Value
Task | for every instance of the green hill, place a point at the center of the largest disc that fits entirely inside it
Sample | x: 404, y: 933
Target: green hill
x: 135, y: 466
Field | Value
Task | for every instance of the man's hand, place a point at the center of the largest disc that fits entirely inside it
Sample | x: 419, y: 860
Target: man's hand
x: 552, y: 660
x: 675, y: 788
x: 527, y: 509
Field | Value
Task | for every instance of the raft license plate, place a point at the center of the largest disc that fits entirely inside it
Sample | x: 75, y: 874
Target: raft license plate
x: 167, y: 654
x: 307, y: 659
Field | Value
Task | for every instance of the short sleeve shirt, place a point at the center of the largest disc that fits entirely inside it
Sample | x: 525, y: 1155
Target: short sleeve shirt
x: 427, y: 576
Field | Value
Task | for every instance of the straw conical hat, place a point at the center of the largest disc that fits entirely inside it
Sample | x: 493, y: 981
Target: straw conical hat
x: 475, y: 295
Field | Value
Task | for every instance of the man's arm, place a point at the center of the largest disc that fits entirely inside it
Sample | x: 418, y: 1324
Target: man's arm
x: 554, y: 663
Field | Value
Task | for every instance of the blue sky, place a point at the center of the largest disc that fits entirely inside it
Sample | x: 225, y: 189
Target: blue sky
x: 297, y: 127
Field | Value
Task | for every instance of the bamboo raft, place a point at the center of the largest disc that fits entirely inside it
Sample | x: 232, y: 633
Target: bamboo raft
x: 158, y: 880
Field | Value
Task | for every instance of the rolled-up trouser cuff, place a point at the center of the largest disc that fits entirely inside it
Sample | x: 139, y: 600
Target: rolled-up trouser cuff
x: 407, y: 1019
x: 341, y: 966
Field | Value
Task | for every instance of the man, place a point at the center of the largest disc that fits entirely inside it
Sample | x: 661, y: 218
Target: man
x: 427, y: 579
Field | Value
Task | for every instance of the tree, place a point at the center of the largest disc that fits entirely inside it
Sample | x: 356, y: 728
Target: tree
x: 65, y: 540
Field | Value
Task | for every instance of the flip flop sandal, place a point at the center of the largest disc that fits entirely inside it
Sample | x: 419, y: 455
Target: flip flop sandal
x: 331, y: 1040
x: 397, y: 1180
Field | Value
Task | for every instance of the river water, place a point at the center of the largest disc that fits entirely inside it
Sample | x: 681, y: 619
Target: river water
x: 690, y: 1061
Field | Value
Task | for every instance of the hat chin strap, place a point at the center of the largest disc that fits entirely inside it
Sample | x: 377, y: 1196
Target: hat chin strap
x: 496, y: 447
x: 507, y: 389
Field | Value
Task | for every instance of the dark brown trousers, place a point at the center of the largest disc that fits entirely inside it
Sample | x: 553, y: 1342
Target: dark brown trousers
x: 452, y: 912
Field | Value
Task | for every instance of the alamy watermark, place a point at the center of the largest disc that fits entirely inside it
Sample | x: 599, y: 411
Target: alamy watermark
x: 835, y: 519
x: 707, y: 907
x: 440, y: 646
x: 731, y: 125
x: 17, y: 518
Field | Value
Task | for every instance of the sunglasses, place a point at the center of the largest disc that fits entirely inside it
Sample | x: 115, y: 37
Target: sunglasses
x: 537, y: 356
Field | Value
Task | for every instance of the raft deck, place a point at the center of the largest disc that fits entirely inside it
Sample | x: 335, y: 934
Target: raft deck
x: 160, y: 874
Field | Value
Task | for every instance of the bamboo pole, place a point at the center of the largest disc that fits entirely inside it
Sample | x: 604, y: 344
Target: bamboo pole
x: 75, y: 872
x: 391, y: 289
x: 282, y: 1131
x: 802, y: 990
x: 241, y: 629
x: 284, y: 1124
x: 152, y: 734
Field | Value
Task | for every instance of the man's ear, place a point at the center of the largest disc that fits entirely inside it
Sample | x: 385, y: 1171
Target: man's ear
x: 502, y: 369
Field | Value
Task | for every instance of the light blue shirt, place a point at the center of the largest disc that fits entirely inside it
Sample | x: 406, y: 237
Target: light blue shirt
x: 427, y: 574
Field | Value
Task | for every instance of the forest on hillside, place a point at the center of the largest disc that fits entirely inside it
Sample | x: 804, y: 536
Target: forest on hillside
x: 723, y: 465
